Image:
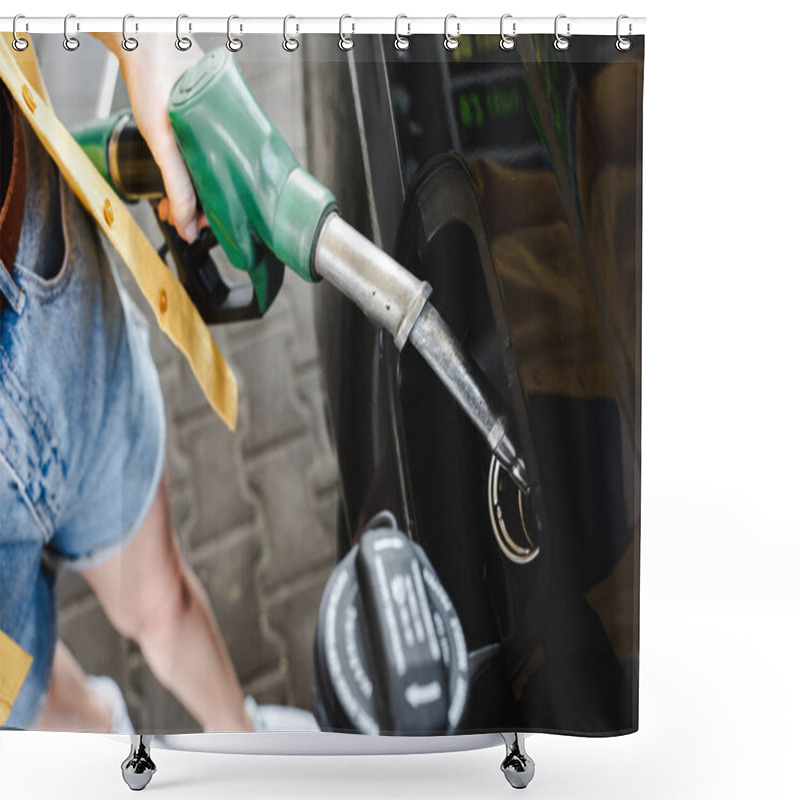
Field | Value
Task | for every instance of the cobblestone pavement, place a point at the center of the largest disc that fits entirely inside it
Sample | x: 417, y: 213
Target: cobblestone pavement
x: 255, y: 511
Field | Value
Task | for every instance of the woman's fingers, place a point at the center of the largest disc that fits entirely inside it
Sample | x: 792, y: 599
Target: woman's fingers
x: 150, y: 75
x: 181, y: 210
x: 163, y: 210
x: 165, y: 216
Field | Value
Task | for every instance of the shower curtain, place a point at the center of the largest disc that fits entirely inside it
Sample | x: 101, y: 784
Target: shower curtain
x: 231, y: 498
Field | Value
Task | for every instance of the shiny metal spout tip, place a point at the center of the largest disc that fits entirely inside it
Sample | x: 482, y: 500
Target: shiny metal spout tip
x: 520, y: 475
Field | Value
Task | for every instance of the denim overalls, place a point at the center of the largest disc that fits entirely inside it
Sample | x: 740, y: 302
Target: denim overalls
x: 82, y: 426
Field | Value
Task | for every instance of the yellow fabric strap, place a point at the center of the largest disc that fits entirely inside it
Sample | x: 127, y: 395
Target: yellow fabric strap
x: 14, y: 666
x: 172, y: 307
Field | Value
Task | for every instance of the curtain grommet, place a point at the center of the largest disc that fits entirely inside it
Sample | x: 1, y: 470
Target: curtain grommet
x: 561, y: 42
x: 623, y: 44
x: 129, y: 43
x: 183, y: 43
x: 71, y: 43
x: 507, y: 42
x: 401, y: 42
x: 290, y: 44
x: 451, y: 42
x: 19, y: 44
x: 233, y: 44
x: 346, y: 42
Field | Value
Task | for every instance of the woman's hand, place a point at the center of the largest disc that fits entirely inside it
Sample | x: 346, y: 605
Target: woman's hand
x: 150, y: 72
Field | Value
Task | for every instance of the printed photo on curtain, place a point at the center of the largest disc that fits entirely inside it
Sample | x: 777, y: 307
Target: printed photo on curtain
x: 320, y: 384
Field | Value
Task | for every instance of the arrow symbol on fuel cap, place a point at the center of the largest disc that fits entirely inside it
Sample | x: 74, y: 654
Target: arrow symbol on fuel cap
x: 417, y: 695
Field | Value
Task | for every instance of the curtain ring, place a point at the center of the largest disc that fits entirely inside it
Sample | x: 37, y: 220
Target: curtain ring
x: 346, y: 42
x: 19, y: 44
x: 128, y: 42
x: 401, y: 42
x: 71, y: 43
x: 623, y: 44
x: 290, y: 44
x: 183, y: 43
x: 233, y: 44
x: 507, y: 42
x: 561, y: 42
x: 451, y: 42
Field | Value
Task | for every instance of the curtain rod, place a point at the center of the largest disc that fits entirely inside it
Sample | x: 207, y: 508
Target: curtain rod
x: 586, y: 26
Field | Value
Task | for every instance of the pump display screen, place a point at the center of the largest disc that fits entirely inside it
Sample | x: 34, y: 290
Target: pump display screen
x: 491, y: 101
x: 481, y: 107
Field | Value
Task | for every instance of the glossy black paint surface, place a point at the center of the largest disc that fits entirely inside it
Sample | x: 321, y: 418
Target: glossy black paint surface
x: 556, y: 330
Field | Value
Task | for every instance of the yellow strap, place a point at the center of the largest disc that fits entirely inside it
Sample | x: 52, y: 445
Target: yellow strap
x: 172, y: 307
x: 14, y: 666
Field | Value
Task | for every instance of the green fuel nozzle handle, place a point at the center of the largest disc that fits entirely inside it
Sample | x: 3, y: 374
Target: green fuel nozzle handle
x: 264, y: 209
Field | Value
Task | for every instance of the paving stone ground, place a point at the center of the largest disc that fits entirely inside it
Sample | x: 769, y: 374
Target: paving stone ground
x: 254, y: 511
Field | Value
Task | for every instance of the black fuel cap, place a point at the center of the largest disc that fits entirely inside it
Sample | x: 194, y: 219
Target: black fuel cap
x: 389, y: 653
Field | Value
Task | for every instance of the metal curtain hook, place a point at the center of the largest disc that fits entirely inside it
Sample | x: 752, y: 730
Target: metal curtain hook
x: 451, y: 42
x: 507, y: 42
x: 128, y: 42
x: 290, y: 44
x: 233, y: 44
x: 346, y: 42
x: 19, y: 43
x: 182, y: 42
x: 561, y: 42
x: 70, y: 42
x: 401, y: 42
x: 623, y: 44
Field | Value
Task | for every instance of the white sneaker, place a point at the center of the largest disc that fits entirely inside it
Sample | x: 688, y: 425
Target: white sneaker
x: 107, y: 689
x: 279, y: 718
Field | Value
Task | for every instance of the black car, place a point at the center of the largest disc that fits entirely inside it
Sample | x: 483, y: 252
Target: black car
x: 513, y: 186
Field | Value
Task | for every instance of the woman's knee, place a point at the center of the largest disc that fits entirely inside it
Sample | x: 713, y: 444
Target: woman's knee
x: 146, y: 588
x: 156, y: 611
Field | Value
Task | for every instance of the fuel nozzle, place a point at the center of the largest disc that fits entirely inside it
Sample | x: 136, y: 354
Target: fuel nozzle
x: 398, y: 301
x: 258, y: 198
x: 266, y: 211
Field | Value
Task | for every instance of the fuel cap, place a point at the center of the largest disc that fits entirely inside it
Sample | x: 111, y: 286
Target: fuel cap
x: 389, y: 652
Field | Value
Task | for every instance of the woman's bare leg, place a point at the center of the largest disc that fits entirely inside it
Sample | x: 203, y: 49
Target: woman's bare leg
x: 71, y: 705
x: 150, y: 594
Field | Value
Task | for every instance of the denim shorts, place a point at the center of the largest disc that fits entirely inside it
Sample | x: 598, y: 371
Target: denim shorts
x: 82, y: 426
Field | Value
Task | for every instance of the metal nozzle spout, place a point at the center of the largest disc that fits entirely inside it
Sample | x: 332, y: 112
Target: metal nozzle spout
x: 519, y: 473
x: 468, y: 385
x: 398, y: 301
x: 515, y: 466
